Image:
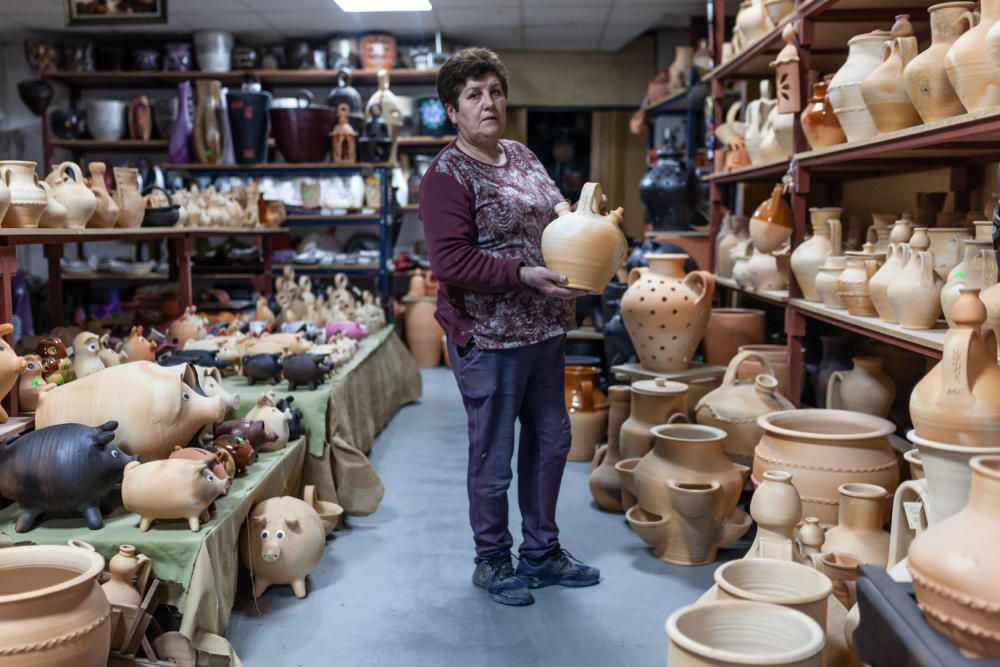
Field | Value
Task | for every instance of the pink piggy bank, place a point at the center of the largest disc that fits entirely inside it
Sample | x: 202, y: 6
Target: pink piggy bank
x: 282, y: 544
x: 170, y: 489
x: 346, y: 327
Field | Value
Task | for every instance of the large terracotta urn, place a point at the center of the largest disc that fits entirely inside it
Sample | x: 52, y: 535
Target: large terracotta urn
x: 819, y: 123
x: 666, y: 311
x: 728, y: 329
x: 978, y: 269
x: 583, y: 245
x: 970, y: 63
x: 28, y: 201
x: 735, y: 229
x: 896, y: 258
x: 926, y: 81
x: 771, y: 223
x: 859, y: 524
x: 604, y: 481
x: 883, y: 90
x: 653, y: 402
x: 915, y: 292
x: 588, y: 411
x: 852, y: 283
x: 106, y: 213
x: 70, y: 189
x: 131, y: 206
x: 52, y: 610
x: 823, y: 449
x: 811, y: 254
x: 865, y: 388
x: 864, y: 54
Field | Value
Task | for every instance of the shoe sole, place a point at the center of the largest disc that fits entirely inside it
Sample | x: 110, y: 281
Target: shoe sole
x: 508, y: 602
x: 535, y: 583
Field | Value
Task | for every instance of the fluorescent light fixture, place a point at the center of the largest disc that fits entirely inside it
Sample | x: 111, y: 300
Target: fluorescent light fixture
x: 384, y: 5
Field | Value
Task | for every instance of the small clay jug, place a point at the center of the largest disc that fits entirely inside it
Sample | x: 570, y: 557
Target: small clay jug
x: 819, y: 123
x: 811, y: 254
x: 588, y: 411
x: 883, y: 90
x: 129, y: 575
x: 605, y: 484
x: 915, y: 292
x: 28, y: 201
x: 736, y: 229
x: 897, y: 256
x: 826, y: 281
x: 776, y: 509
x: 859, y: 524
x: 131, y: 206
x: 69, y: 188
x: 771, y: 223
x: 852, y: 284
x: 865, y: 388
x: 925, y: 78
x: 977, y: 269
x: 106, y: 213
x: 55, y: 213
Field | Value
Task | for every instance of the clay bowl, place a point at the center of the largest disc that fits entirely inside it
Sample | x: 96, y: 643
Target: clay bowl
x: 303, y: 135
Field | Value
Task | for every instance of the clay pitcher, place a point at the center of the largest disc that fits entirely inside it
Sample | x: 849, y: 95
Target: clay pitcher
x: 28, y: 201
x: 131, y: 206
x: 865, y: 388
x: 588, y: 411
x: 776, y: 509
x: 878, y: 287
x: 605, y: 484
x: 852, y: 283
x: 826, y: 281
x: 738, y: 225
x: 812, y: 253
x: 864, y: 54
x: 925, y: 78
x: 55, y: 213
x: 915, y: 293
x: 859, y: 525
x: 129, y: 575
x: 819, y: 123
x: 69, y: 188
x: 106, y: 213
x: 208, y: 137
x: 883, y: 90
x: 969, y: 64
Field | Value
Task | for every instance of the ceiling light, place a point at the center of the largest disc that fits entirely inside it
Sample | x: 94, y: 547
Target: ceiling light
x: 384, y: 5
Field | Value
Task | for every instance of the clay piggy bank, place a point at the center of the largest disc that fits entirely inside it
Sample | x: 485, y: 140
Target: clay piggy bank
x: 263, y: 367
x: 283, y: 542
x: 108, y: 355
x: 307, y: 369
x: 292, y: 342
x: 11, y: 367
x: 186, y: 327
x: 196, y: 357
x: 86, y: 354
x: 170, y: 489
x: 239, y: 448
x: 296, y: 427
x: 216, y: 461
x: 253, y: 430
x: 30, y: 384
x: 65, y: 468
x: 137, y: 347
x: 157, y: 407
x: 275, y: 420
x: 210, y: 381
x: 346, y: 327
x: 51, y: 349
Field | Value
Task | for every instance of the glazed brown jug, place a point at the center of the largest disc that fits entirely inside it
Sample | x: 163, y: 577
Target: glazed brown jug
x: 605, y: 484
x: 771, y: 223
x: 588, y: 410
x: 819, y: 123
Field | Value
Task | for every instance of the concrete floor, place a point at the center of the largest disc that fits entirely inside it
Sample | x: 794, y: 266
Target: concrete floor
x: 395, y: 588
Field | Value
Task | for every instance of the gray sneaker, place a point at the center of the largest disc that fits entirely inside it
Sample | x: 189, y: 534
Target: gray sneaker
x: 496, y: 575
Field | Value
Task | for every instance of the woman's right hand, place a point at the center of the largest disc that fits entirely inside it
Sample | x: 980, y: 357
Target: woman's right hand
x: 547, y: 282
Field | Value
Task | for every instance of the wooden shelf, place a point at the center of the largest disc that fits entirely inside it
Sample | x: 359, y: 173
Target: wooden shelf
x: 268, y: 78
x: 276, y: 167
x: 681, y: 103
x: 120, y: 145
x: 17, y: 425
x: 319, y: 220
x: 322, y: 269
x: 112, y: 277
x: 422, y: 141
x: 585, y: 333
x: 764, y: 171
x: 201, y: 232
x: 775, y: 297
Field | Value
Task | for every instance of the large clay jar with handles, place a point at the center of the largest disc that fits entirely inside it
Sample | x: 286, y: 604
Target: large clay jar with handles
x: 583, y: 245
x: 588, y: 411
x: 106, y: 213
x: 897, y: 256
x: 865, y: 388
x: 883, y: 90
x: 666, y: 311
x: 131, y: 206
x: 915, y: 293
x: 926, y: 81
x: 28, y: 201
x: 812, y: 253
x: 70, y: 190
x: 864, y: 54
x: 605, y: 484
x: 968, y: 63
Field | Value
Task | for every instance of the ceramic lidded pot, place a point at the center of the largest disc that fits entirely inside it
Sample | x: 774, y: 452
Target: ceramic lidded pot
x: 811, y: 254
x: 106, y: 213
x: 865, y: 388
x: 588, y: 411
x: 605, y: 484
x: 878, y: 287
x: 915, y: 292
x: 852, y: 283
x: 583, y: 245
x: 970, y: 63
x: 666, y: 311
x: 864, y: 54
x: 925, y: 78
x: 28, y: 201
x: 653, y: 402
x: 826, y: 281
x: 126, y: 566
x: 977, y: 269
x: 69, y: 188
x: 730, y: 328
x: 131, y: 205
x: 819, y: 123
x: 772, y: 223
x: 859, y: 524
x: 883, y: 90
x: 669, y: 190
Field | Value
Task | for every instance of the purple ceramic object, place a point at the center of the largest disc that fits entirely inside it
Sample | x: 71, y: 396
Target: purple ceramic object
x: 179, y: 148
x: 346, y: 327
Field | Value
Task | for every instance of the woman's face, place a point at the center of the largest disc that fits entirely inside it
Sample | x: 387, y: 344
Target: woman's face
x: 482, y: 110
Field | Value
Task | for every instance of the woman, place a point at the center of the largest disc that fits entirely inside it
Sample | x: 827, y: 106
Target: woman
x: 484, y: 202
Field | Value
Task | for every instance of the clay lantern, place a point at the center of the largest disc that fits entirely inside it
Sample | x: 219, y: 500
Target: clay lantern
x: 786, y: 73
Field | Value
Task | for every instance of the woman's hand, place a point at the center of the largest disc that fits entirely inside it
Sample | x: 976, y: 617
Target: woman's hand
x: 547, y: 282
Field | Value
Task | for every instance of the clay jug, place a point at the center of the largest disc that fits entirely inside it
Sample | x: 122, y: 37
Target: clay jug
x: 755, y: 118
x: 859, y: 524
x: 728, y: 329
x: 878, y: 287
x: 878, y: 232
x: 865, y: 388
x: 131, y: 206
x: 735, y: 406
x: 819, y: 123
x: 106, y: 213
x: 666, y: 312
x: 864, y: 54
x: 680, y: 69
x: 752, y: 367
x: 55, y: 213
x: 978, y: 269
x: 852, y: 284
x: 826, y: 281
x: 737, y: 231
x: 883, y: 90
x: 129, y: 575
x: 605, y: 484
x: 812, y: 253
x: 28, y: 200
x: 915, y: 293
x: 741, y: 255
x: 69, y: 188
x: 954, y: 568
x: 926, y: 81
x: 423, y: 333
x: 901, y: 231
x: 958, y: 401
x: 968, y: 63
x: 752, y: 23
x: 208, y: 138
x: 772, y: 223
x: 653, y: 402
x: 776, y: 509
x: 583, y: 245
x: 946, y: 248
x: 777, y: 140
x: 768, y: 271
x: 588, y: 411
x: 836, y: 356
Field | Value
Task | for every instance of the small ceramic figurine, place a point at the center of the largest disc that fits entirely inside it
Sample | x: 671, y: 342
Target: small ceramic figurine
x: 51, y: 349
x: 263, y: 367
x: 376, y: 144
x: 239, y: 448
x: 136, y: 347
x: 170, y: 489
x: 86, y: 354
x: 307, y: 369
x: 216, y: 461
x: 253, y: 430
x: 210, y: 381
x: 30, y: 384
x: 109, y: 356
x: 344, y: 137
x: 275, y: 420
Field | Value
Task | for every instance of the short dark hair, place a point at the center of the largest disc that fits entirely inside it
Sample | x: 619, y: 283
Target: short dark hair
x: 472, y: 63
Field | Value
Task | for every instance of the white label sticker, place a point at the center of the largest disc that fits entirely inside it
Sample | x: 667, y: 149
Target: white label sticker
x: 914, y: 515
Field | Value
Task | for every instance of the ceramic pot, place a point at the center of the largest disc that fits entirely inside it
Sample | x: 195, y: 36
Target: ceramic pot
x: 653, y: 402
x: 588, y: 411
x: 901, y: 231
x: 302, y: 129
x: 129, y: 575
x: 836, y: 356
x: 852, y: 283
x: 282, y: 542
x: 605, y: 484
x: 915, y: 293
x: 131, y: 206
x: 70, y: 190
x: 666, y: 312
x: 730, y: 633
x: 423, y: 333
x: 865, y: 388
x: 777, y: 355
x: 771, y: 224
x: 734, y: 407
x: 778, y: 582
x: 970, y: 62
x: 925, y: 78
x: 106, y: 119
x: 776, y: 509
x: 912, y: 458
x: 730, y: 328
x: 583, y: 245
x: 946, y: 247
x: 864, y: 54
x: 377, y: 51
x: 107, y: 211
x: 883, y: 90
x: 768, y: 271
x: 214, y: 49
x: 897, y: 257
x: 669, y: 191
x: 819, y: 123
x: 59, y: 584
x: 978, y: 269
x: 728, y: 238
x: 250, y: 121
x: 951, y: 564
x: 28, y: 201
x: 811, y: 254
x: 823, y: 449
x: 209, y: 142
x: 826, y: 281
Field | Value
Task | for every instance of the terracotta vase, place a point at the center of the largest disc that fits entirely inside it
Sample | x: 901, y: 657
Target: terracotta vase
x: 859, y: 524
x: 106, y: 213
x: 605, y: 484
x: 728, y: 329
x: 583, y: 245
x: 897, y: 256
x: 653, y: 402
x: 734, y: 407
x: 209, y: 142
x: 971, y: 61
x: 129, y: 575
x: 864, y: 54
x: 687, y: 491
x: 776, y: 509
x: 852, y: 283
x: 823, y: 449
x: 946, y: 247
x: 772, y: 223
x: 666, y: 312
x: 915, y: 293
x: 588, y: 411
x: 755, y: 633
x: 60, y: 585
x: 953, y: 567
x: 131, y: 206
x: 28, y: 200
x: 777, y: 355
x: 819, y: 123
x: 836, y: 356
x: 978, y: 270
x: 768, y: 271
x: 423, y: 333
x: 826, y: 281
x: 925, y: 78
x: 778, y: 582
x: 70, y: 189
x: 883, y: 90
x: 812, y: 253
x: 865, y: 388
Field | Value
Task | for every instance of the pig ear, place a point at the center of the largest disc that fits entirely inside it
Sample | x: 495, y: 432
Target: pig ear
x: 291, y: 522
x: 258, y: 521
x: 200, y: 470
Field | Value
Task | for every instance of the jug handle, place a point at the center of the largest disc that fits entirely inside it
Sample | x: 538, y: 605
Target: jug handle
x: 927, y: 267
x: 636, y: 273
x: 590, y: 198
x: 836, y: 235
x: 705, y: 280
x: 143, y: 570
x: 971, y: 18
x: 734, y: 366
x: 600, y: 454
x: 989, y: 267
x: 678, y: 417
x: 73, y: 168
x: 588, y: 395
x: 309, y: 495
x: 832, y: 397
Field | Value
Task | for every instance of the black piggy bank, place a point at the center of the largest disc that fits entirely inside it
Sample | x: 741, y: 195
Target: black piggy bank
x: 264, y: 367
x: 197, y: 357
x: 62, y: 468
x: 296, y: 429
x: 305, y: 368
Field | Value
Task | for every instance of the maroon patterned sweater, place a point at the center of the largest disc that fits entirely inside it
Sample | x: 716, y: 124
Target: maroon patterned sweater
x: 482, y: 223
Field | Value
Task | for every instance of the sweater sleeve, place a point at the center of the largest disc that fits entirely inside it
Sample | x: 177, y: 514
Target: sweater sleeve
x: 447, y: 211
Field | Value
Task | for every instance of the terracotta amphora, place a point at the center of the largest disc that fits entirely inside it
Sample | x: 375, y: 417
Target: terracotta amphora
x: 926, y: 81
x: 588, y: 411
x: 883, y: 90
x: 752, y: 367
x: 605, y: 484
x: 978, y: 269
x: 131, y: 206
x: 819, y: 123
x: 734, y: 407
x: 106, y: 213
x: 129, y: 575
x: 776, y: 509
x: 864, y: 54
x: 28, y: 201
x: 771, y: 223
x: 666, y: 311
x: 852, y: 283
x: 826, y: 281
x: 768, y: 271
x: 865, y: 388
x: 583, y: 245
x: 970, y: 63
x: 897, y: 256
x: 653, y: 402
x: 779, y: 582
x: 70, y: 189
x: 954, y: 568
x: 811, y: 254
x: 728, y: 329
x: 859, y: 524
x: 823, y: 449
x: 60, y: 585
x: 915, y: 292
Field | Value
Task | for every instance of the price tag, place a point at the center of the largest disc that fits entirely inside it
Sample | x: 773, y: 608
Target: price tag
x: 914, y: 514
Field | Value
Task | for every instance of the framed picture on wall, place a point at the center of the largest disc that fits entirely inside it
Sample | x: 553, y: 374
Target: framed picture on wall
x: 115, y: 12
